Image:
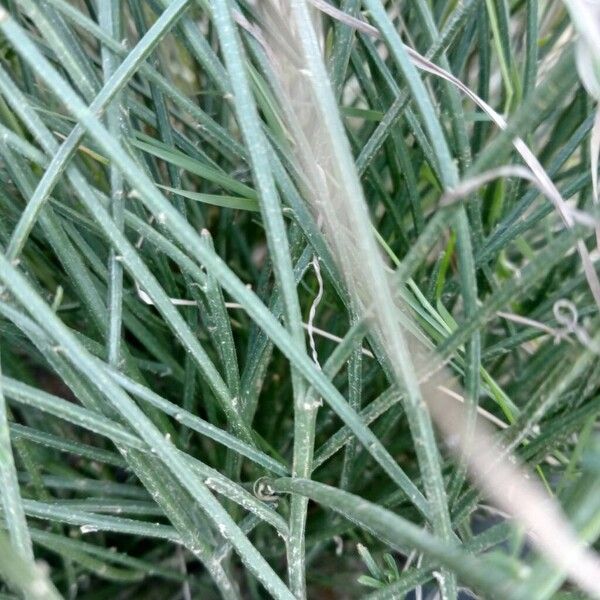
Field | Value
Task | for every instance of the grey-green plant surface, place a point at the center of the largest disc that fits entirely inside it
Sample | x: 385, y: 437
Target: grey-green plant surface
x: 245, y: 245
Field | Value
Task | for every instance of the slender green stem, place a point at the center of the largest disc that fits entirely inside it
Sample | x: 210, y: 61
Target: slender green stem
x: 9, y: 489
x: 109, y: 18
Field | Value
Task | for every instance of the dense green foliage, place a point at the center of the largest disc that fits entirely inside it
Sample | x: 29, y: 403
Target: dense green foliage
x: 182, y: 365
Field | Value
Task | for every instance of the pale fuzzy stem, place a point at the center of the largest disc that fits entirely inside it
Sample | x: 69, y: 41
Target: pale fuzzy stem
x: 335, y: 195
x: 508, y: 485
